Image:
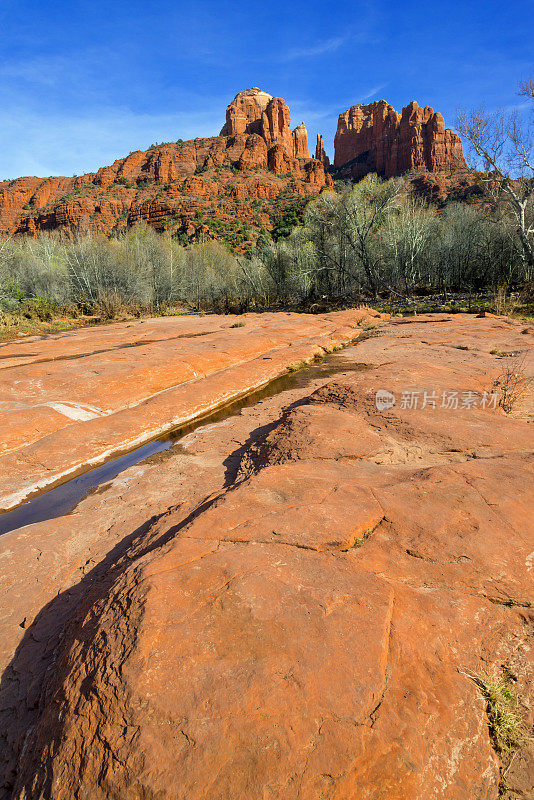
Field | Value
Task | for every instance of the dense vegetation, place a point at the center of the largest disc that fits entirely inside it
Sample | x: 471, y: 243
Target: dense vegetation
x: 361, y: 242
x: 372, y: 239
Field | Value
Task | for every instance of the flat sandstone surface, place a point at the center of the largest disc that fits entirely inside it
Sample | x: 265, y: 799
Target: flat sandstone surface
x: 72, y: 399
x: 294, y: 602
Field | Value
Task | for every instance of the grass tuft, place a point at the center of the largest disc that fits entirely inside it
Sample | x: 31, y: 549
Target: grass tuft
x: 296, y: 367
x: 506, y: 727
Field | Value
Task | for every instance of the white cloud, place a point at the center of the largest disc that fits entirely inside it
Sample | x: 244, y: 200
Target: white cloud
x: 371, y: 92
x: 366, y: 35
x: 520, y: 107
x: 318, y: 49
x: 312, y: 113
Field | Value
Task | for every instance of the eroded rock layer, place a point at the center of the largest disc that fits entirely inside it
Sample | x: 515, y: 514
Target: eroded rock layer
x: 376, y: 138
x: 233, y: 186
x: 297, y: 602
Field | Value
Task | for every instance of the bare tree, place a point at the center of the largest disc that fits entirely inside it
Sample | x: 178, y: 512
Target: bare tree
x: 526, y: 88
x: 405, y: 237
x: 365, y: 210
x: 503, y: 144
x: 324, y: 266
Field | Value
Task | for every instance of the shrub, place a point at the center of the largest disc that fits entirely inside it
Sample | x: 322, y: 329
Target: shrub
x: 503, y: 303
x: 37, y: 307
x: 9, y: 304
x: 512, y: 384
x: 110, y: 304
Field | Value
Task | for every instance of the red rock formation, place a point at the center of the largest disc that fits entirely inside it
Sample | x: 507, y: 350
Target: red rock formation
x: 244, y: 114
x: 375, y: 138
x: 255, y: 111
x: 320, y: 154
x: 300, y: 141
x: 155, y: 184
x: 276, y: 125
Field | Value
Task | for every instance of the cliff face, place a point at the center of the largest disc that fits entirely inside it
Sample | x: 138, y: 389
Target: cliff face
x: 376, y: 138
x: 184, y: 187
x: 255, y: 111
x: 245, y: 112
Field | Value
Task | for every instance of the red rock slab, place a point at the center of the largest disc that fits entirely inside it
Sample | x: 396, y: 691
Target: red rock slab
x: 314, y: 431
x: 45, y: 421
x: 294, y: 504
x: 244, y: 643
x: 446, y: 528
x: 335, y: 684
x: 116, y: 397
x: 109, y: 337
x: 82, y: 444
x: 250, y: 632
x: 428, y: 736
x: 111, y: 381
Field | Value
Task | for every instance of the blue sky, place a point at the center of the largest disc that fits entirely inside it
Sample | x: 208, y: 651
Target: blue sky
x: 83, y: 83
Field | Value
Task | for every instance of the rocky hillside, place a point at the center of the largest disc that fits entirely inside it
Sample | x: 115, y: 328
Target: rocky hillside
x: 252, y: 177
x: 229, y: 186
x: 376, y: 138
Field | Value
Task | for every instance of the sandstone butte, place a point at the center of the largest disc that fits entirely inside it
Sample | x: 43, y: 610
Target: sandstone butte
x: 293, y: 602
x: 225, y: 186
x: 232, y: 186
x: 376, y: 138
